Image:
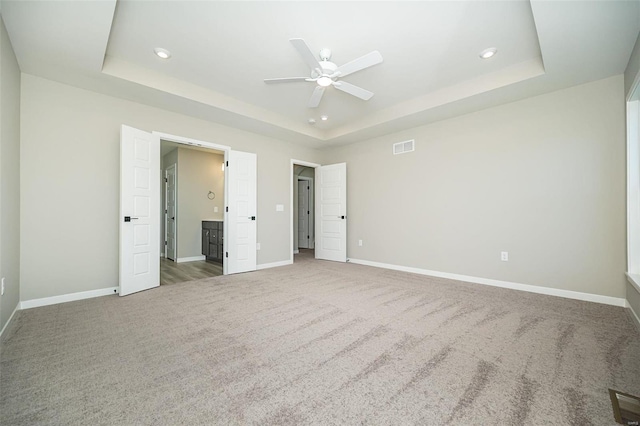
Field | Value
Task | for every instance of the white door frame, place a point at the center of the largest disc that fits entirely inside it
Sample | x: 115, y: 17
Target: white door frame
x: 312, y: 213
x: 203, y: 144
x: 291, y: 206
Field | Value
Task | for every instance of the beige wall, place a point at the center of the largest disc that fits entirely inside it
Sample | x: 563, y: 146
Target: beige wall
x: 542, y: 178
x: 9, y: 177
x: 198, y: 173
x: 69, y: 228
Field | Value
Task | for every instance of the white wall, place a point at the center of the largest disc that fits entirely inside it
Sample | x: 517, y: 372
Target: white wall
x: 70, y: 183
x: 198, y: 173
x: 542, y: 178
x: 9, y: 177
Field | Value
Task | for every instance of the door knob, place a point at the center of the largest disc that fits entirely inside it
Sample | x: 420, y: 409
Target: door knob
x: 129, y: 218
x: 252, y: 217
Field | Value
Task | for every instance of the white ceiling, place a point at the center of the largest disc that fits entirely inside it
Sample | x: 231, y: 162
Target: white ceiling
x: 222, y: 51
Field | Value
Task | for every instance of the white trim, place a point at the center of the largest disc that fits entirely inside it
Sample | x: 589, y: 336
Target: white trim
x: 45, y: 301
x: 634, y: 280
x: 189, y: 141
x: 273, y: 264
x: 190, y: 259
x: 10, y: 318
x: 291, y: 206
x: 296, y: 252
x: 634, y: 315
x: 607, y: 300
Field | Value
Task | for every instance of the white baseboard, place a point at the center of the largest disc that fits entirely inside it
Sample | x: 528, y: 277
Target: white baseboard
x: 607, y: 300
x: 296, y: 251
x: 274, y: 264
x: 190, y: 259
x: 634, y: 314
x: 45, y: 301
x: 10, y: 318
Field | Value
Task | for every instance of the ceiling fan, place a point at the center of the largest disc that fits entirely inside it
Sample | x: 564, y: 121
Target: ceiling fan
x: 325, y: 73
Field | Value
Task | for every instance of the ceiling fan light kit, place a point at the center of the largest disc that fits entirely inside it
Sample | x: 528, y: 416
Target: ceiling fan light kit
x: 325, y: 73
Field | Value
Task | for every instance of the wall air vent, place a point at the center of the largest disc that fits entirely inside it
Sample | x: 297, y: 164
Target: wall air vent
x: 403, y: 147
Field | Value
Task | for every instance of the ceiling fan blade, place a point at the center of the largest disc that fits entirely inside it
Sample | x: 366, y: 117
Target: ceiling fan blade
x: 306, y: 53
x: 356, y: 91
x: 316, y: 97
x: 361, y: 63
x: 285, y: 80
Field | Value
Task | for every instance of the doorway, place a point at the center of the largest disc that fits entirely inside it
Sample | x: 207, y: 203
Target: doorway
x: 193, y: 211
x: 305, y: 207
x: 302, y: 209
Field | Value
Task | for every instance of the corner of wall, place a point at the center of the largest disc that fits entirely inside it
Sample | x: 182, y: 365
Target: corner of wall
x: 9, y: 179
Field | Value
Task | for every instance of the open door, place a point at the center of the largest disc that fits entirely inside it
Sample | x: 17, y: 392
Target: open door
x: 170, y: 213
x: 331, y: 212
x: 139, y: 210
x: 241, y: 216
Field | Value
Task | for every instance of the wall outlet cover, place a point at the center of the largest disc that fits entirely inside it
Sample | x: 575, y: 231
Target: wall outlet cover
x: 279, y: 207
x: 504, y: 256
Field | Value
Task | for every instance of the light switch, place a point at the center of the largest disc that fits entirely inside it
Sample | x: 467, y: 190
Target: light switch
x: 279, y: 207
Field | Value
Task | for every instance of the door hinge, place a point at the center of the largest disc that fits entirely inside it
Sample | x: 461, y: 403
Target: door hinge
x: 165, y: 243
x: 166, y: 180
x: 227, y: 254
x: 227, y: 164
x: 307, y: 211
x: 308, y: 187
x: 227, y: 208
x: 307, y: 237
x: 165, y: 211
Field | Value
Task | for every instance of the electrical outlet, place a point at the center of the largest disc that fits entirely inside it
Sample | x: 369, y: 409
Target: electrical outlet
x: 215, y: 209
x: 504, y: 256
x: 360, y: 243
x: 2, y: 289
x: 257, y: 246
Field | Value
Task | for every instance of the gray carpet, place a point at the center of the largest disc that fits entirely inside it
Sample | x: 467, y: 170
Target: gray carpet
x: 318, y: 343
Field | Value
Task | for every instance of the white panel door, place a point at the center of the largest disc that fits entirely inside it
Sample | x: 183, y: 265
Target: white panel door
x: 170, y: 213
x: 331, y: 212
x: 304, y: 233
x: 139, y: 210
x: 241, y: 217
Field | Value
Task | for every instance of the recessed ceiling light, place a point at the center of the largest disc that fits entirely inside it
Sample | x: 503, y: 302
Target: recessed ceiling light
x: 162, y: 53
x: 324, y: 118
x: 487, y: 53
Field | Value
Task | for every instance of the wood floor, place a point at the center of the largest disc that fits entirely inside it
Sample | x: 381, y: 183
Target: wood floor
x: 173, y: 273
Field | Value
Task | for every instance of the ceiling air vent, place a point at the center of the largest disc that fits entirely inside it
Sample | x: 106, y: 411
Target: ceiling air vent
x: 403, y: 147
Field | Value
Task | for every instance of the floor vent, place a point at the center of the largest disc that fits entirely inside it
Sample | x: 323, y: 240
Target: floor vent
x: 403, y: 147
x: 626, y: 408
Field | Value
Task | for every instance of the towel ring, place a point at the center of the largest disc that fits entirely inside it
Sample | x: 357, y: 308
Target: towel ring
x: 211, y: 195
